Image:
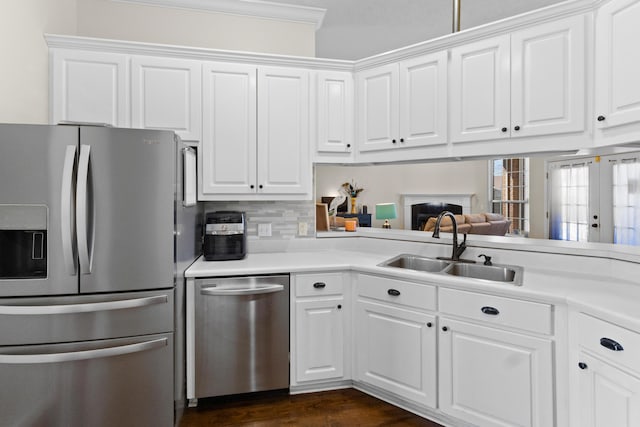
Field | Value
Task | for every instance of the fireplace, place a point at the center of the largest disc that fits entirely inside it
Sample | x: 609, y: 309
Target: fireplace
x: 408, y: 200
x: 421, y: 212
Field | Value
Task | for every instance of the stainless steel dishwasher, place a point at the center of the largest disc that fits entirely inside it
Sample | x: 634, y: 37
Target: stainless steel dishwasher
x: 241, y: 335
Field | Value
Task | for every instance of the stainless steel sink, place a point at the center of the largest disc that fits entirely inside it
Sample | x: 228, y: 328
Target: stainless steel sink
x: 494, y: 273
x: 414, y: 262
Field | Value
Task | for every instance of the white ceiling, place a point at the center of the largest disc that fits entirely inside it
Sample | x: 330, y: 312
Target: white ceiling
x: 355, y: 29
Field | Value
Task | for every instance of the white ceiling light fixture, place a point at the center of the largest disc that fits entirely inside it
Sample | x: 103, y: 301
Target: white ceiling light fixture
x: 254, y: 8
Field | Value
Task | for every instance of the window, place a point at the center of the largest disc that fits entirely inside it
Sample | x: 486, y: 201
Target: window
x: 509, y: 192
x: 626, y: 201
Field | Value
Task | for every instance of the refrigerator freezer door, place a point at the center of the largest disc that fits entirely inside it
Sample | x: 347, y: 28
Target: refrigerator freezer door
x: 32, y: 160
x: 125, y: 209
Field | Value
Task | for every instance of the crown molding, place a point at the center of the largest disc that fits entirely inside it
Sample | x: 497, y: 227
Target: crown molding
x: 254, y: 8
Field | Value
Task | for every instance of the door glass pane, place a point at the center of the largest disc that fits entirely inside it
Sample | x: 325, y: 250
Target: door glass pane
x: 569, y: 203
x: 626, y: 195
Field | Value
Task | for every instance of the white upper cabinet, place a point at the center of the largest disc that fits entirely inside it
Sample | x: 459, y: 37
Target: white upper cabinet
x: 423, y: 100
x: 284, y: 163
x: 334, y: 126
x: 528, y: 83
x: 617, y: 66
x: 480, y: 74
x: 255, y: 143
x: 403, y: 105
x: 228, y: 162
x: 378, y: 104
x: 166, y: 93
x: 89, y: 87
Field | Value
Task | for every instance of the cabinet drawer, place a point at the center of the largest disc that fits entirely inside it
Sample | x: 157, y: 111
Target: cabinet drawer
x: 530, y: 316
x: 601, y: 337
x: 321, y: 284
x: 397, y: 292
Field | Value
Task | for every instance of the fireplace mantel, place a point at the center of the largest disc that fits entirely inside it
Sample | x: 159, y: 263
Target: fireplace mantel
x: 408, y: 200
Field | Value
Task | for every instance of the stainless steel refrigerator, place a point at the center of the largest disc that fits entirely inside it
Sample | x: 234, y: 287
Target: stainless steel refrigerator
x: 93, y: 240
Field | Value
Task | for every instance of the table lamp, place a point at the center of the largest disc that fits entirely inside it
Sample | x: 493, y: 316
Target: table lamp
x: 386, y: 211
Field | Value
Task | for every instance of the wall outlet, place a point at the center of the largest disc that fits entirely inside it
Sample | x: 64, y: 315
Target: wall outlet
x: 303, y: 229
x: 264, y: 230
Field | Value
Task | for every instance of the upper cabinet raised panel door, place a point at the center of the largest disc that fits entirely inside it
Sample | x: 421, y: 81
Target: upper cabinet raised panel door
x: 548, y: 78
x: 284, y: 163
x: 334, y: 116
x: 480, y: 76
x: 228, y: 150
x: 90, y: 87
x: 378, y: 108
x: 166, y: 94
x: 423, y: 100
x: 528, y: 83
x: 617, y: 64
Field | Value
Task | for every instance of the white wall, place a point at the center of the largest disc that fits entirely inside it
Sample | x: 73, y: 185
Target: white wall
x: 24, y: 85
x: 386, y: 183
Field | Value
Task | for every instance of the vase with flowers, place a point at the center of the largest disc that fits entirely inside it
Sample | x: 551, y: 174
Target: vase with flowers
x: 352, y: 190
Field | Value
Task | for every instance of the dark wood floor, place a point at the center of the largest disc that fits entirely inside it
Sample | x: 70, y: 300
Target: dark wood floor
x: 337, y: 408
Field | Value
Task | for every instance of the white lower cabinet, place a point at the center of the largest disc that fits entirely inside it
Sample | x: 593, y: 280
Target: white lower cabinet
x: 320, y: 328
x: 395, y: 342
x: 492, y: 377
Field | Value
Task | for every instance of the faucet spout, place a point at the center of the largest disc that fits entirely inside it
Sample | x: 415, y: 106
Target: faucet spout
x: 457, y: 250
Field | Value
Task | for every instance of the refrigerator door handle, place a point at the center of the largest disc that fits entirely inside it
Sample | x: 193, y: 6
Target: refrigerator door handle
x: 83, y: 354
x: 83, y: 210
x: 39, y: 310
x: 66, y: 210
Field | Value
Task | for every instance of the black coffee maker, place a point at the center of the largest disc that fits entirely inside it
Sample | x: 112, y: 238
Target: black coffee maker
x: 225, y: 236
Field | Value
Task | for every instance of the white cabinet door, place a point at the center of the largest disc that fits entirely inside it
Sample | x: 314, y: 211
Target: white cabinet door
x: 334, y: 117
x: 480, y: 98
x: 423, y: 100
x: 617, y: 63
x: 228, y: 151
x: 90, y: 87
x: 396, y: 351
x: 608, y: 396
x: 491, y: 377
x: 378, y: 103
x: 167, y: 94
x: 284, y: 163
x: 548, y: 78
x: 319, y: 339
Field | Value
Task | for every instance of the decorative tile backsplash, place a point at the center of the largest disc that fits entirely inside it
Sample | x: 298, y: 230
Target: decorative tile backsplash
x: 284, y: 216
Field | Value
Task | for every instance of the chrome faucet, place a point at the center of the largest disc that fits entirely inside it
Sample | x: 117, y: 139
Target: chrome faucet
x: 457, y: 250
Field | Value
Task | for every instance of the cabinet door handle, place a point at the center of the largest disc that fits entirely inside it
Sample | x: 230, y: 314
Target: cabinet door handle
x: 393, y: 292
x: 601, y: 118
x: 319, y: 285
x: 582, y: 365
x: 490, y: 310
x: 611, y: 344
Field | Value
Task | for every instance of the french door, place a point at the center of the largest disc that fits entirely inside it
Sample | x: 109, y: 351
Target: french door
x: 595, y: 199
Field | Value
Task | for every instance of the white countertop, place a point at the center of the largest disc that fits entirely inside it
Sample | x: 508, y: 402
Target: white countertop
x: 612, y: 299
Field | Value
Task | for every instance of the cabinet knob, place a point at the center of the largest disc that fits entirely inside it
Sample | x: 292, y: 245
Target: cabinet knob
x: 445, y: 329
x: 601, y: 118
x: 490, y: 310
x: 348, y: 145
x: 582, y: 365
x: 516, y: 128
x: 504, y: 129
x: 401, y: 139
x: 393, y: 140
x: 260, y: 186
x: 429, y: 324
x: 611, y: 344
x: 319, y: 285
x: 339, y: 306
x: 393, y: 292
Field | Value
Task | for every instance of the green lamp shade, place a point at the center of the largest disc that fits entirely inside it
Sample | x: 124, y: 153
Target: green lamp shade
x: 386, y: 211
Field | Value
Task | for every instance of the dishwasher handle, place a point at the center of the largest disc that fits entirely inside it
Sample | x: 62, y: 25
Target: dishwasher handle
x: 238, y: 291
